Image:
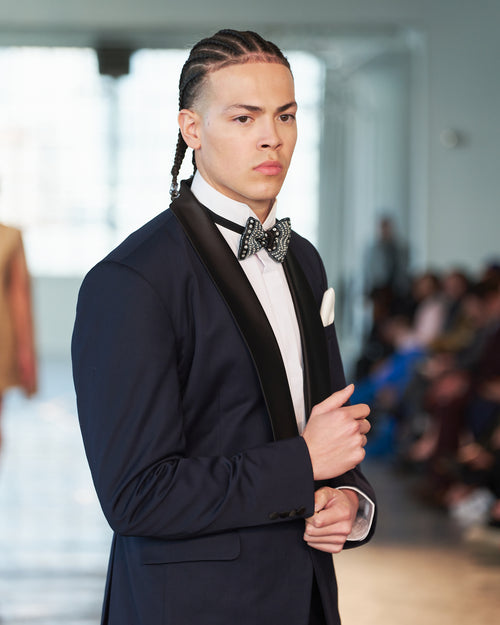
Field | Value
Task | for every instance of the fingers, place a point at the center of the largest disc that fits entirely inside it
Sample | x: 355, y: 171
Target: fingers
x: 361, y: 411
x: 336, y: 400
x: 329, y: 547
x: 331, y: 533
x: 330, y: 538
x: 339, y: 399
x: 331, y: 507
x: 322, y: 532
x: 335, y: 435
x: 364, y: 426
x: 322, y: 496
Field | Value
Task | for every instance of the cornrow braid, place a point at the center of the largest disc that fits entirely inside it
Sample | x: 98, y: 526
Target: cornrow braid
x: 226, y: 47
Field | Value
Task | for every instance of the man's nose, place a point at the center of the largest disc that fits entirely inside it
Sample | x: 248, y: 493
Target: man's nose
x: 270, y: 137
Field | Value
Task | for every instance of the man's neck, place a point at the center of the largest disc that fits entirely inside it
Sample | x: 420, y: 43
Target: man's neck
x: 263, y: 212
x: 227, y: 207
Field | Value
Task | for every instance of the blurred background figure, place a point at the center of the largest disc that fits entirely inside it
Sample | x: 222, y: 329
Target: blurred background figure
x: 386, y: 286
x: 17, y: 346
x: 386, y: 264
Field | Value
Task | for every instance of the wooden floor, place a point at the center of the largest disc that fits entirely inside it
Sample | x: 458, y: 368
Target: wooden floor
x: 419, y: 569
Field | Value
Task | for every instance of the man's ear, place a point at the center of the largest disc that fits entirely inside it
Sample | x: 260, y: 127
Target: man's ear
x: 189, y: 124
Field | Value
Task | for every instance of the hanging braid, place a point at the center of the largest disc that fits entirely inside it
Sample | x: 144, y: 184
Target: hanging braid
x: 226, y: 47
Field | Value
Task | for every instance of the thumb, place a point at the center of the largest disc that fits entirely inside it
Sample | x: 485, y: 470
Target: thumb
x: 322, y: 497
x: 336, y: 400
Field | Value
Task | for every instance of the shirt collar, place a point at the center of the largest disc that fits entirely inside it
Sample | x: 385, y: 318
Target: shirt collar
x: 238, y: 212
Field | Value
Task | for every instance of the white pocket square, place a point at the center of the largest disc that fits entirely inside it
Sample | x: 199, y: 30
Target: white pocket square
x: 327, y: 310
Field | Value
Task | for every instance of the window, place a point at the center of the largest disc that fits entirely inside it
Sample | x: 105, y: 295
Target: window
x: 85, y: 159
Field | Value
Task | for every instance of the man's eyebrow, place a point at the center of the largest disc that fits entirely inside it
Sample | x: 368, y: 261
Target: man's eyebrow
x: 258, y: 109
x: 246, y: 107
x: 285, y: 107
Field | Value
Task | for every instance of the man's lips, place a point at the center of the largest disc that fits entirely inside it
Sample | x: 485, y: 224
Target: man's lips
x: 269, y: 168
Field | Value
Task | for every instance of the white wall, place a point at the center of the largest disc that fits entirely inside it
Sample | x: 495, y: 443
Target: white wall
x: 464, y: 94
x: 54, y: 303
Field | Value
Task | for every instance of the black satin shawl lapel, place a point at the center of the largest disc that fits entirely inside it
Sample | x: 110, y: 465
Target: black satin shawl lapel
x: 314, y: 348
x: 233, y: 285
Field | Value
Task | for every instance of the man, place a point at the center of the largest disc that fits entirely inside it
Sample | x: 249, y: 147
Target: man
x: 195, y: 372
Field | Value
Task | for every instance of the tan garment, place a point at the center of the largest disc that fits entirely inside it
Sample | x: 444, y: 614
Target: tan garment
x: 16, y: 330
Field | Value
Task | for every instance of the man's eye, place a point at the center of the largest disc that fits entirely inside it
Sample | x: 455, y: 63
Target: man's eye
x: 286, y: 117
x: 243, y: 119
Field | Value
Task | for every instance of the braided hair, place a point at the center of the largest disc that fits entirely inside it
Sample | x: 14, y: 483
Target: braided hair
x: 226, y: 47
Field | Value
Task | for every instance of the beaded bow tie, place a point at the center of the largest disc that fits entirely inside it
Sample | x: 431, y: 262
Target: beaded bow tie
x: 275, y: 240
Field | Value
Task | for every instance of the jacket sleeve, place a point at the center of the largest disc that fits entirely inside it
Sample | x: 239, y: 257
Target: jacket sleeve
x: 125, y: 371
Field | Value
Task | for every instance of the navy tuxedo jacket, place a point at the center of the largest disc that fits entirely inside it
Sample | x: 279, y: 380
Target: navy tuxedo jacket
x: 189, y: 430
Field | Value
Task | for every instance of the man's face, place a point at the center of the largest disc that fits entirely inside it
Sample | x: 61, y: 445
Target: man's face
x: 244, y: 132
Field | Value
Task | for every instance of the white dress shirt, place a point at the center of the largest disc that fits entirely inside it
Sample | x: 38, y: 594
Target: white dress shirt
x: 268, y: 280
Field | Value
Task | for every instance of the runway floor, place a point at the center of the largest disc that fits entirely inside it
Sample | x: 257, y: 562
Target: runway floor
x: 420, y: 569
x: 54, y: 541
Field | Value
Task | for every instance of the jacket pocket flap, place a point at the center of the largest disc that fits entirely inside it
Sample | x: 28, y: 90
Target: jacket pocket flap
x: 201, y: 548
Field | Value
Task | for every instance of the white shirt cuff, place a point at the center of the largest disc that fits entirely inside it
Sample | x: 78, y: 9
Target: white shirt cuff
x: 364, y: 518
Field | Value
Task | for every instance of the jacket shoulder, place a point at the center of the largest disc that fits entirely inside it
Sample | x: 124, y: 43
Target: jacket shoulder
x: 145, y: 240
x: 149, y: 251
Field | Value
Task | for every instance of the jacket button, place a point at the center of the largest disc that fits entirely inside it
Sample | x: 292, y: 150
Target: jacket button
x: 301, y: 511
x: 284, y: 515
x: 273, y: 516
x: 292, y: 513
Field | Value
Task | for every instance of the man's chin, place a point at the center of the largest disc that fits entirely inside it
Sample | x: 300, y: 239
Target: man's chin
x: 267, y: 192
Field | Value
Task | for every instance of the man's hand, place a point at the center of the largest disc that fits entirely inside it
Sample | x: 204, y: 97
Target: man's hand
x: 335, y: 512
x: 336, y: 435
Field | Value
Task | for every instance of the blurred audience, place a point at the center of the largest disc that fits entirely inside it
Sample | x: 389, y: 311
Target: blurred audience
x: 434, y: 386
